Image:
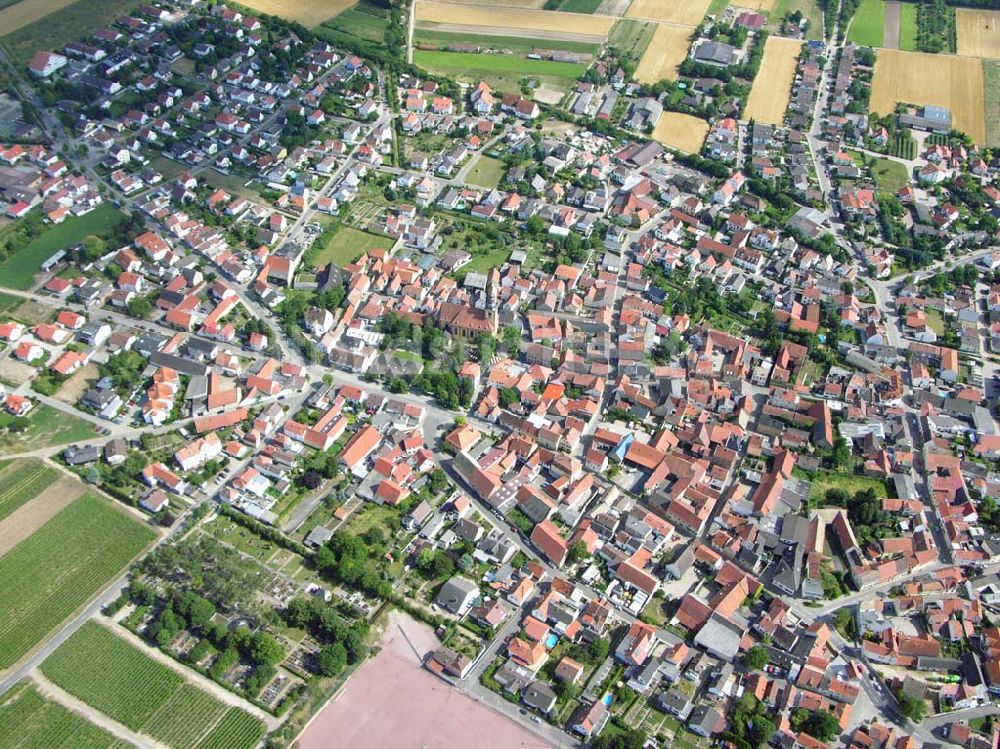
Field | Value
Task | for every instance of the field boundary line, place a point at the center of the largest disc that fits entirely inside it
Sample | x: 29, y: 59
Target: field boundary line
x: 90, y: 714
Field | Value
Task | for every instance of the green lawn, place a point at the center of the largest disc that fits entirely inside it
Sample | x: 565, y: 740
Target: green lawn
x: 68, y: 24
x: 934, y: 321
x: 18, y: 271
x: 908, y: 27
x: 991, y: 74
x: 46, y: 426
x: 483, y: 263
x: 121, y: 681
x: 9, y: 303
x: 469, y: 65
x: 631, y: 37
x: 348, y: 244
x: 847, y: 482
x: 486, y: 172
x: 890, y: 176
x: 57, y: 569
x: 515, y: 44
x: 20, y: 481
x: 27, y: 719
x: 868, y: 25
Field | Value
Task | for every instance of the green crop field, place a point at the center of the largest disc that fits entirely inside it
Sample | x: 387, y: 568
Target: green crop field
x: 57, y: 569
x: 45, y: 426
x: 515, y: 44
x: 18, y: 271
x: 65, y: 25
x: 364, y: 21
x: 868, y: 25
x: 908, y: 27
x: 579, y: 6
x: 467, y: 65
x: 486, y: 172
x: 121, y: 681
x: 991, y: 76
x: 20, y: 481
x: 348, y: 244
x: 631, y: 37
x: 30, y: 721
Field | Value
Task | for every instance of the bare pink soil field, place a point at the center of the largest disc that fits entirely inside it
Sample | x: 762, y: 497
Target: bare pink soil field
x: 392, y: 702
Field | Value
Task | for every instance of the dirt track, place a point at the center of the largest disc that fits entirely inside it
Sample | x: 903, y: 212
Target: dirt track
x: 890, y: 35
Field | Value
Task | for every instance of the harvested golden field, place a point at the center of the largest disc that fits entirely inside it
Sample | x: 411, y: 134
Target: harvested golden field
x: 761, y: 6
x: 307, y: 12
x: 681, y: 131
x: 688, y: 12
x: 941, y: 80
x: 773, y: 85
x: 513, y: 18
x: 26, y: 12
x: 666, y: 51
x: 978, y: 32
x: 531, y: 4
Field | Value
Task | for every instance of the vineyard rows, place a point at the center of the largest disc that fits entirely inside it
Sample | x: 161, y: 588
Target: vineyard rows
x: 29, y: 721
x: 21, y: 481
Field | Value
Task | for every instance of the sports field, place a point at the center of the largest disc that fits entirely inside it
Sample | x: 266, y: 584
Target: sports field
x: 574, y: 24
x: 942, y: 80
x: 664, y: 54
x: 681, y: 131
x: 18, y: 271
x: 307, y: 12
x: 109, y: 674
x: 29, y: 720
x: 57, y: 569
x: 689, y: 12
x: 773, y: 85
x: 978, y: 32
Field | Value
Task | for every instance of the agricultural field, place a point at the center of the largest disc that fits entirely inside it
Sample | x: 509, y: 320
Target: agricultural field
x: 681, y: 131
x: 772, y: 87
x: 49, y: 575
x: 922, y: 78
x: 20, y: 481
x: 574, y: 26
x: 17, y: 15
x: 44, y: 426
x: 908, y: 27
x: 9, y: 303
x: 364, y: 21
x: 664, y: 54
x: 18, y: 271
x: 519, y: 45
x: 486, y: 172
x: 56, y: 23
x: 578, y: 6
x: 348, y: 244
x: 978, y: 32
x: 469, y: 65
x: 688, y: 13
x: 868, y: 25
x: 530, y: 4
x: 109, y: 674
x: 632, y: 38
x: 991, y: 75
x: 28, y: 719
x: 307, y: 12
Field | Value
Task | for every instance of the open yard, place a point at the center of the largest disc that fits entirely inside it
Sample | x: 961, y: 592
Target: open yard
x: 978, y: 32
x: 348, y: 244
x: 58, y: 23
x: 486, y: 172
x: 18, y: 271
x: 943, y: 80
x: 44, y: 426
x: 49, y: 575
x: 664, y: 54
x: 773, y: 85
x: 575, y: 24
x: 470, y: 65
x: 121, y: 681
x: 307, y: 12
x: 808, y: 8
x: 845, y: 481
x: 890, y: 176
x: 688, y: 13
x: 681, y: 131
x: 868, y: 25
x: 28, y: 719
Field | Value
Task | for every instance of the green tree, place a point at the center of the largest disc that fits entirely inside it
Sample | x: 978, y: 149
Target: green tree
x: 913, y: 708
x: 266, y: 650
x: 577, y: 552
x: 332, y: 659
x: 756, y: 658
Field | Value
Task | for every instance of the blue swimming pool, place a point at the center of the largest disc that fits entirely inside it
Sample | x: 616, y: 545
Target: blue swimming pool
x: 551, y: 640
x: 607, y: 699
